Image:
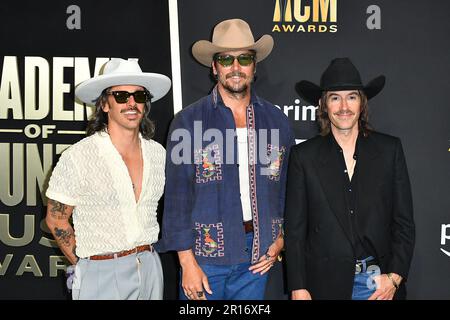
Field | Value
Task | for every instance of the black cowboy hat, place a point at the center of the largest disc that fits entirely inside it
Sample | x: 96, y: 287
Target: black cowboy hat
x: 340, y: 75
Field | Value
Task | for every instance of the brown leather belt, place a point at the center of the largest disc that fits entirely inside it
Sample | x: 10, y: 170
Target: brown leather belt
x: 248, y: 226
x: 138, y: 249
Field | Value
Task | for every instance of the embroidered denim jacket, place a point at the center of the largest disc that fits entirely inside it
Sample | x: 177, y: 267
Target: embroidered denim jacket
x: 202, y: 205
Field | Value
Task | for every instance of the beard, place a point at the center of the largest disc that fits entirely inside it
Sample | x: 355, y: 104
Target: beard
x: 235, y: 87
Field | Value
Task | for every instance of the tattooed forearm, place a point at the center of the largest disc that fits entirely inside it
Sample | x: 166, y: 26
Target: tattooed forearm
x: 58, y: 221
x: 64, y: 236
x: 58, y: 209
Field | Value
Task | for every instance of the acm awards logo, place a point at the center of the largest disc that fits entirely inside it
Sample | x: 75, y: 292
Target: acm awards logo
x: 305, y: 16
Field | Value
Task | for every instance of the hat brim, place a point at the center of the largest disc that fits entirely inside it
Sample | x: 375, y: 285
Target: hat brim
x: 204, y: 50
x: 312, y: 93
x: 89, y: 90
x: 309, y: 91
x: 375, y: 86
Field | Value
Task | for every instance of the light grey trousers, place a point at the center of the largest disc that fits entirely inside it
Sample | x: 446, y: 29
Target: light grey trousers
x: 133, y: 277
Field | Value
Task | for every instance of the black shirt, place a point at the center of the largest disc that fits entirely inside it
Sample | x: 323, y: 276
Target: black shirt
x: 361, y: 246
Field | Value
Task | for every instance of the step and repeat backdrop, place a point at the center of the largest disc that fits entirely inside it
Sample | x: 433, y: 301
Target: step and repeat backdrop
x: 49, y: 47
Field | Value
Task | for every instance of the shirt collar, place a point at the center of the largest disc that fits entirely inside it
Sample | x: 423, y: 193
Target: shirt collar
x: 338, y: 147
x: 218, y: 101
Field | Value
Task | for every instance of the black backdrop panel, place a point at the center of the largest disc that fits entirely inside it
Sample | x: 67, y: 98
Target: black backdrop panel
x: 411, y: 49
x: 135, y: 29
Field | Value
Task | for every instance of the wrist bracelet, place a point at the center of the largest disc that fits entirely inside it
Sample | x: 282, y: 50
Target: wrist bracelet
x: 389, y: 275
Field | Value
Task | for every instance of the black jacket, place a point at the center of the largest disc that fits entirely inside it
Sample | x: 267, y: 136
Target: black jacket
x: 319, y: 252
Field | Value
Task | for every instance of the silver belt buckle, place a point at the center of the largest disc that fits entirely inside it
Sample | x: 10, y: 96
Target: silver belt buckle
x: 357, y: 268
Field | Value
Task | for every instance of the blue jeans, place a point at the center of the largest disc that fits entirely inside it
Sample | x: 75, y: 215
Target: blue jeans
x: 234, y: 282
x: 363, y: 284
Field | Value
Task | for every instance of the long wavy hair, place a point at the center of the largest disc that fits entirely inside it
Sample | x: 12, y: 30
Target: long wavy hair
x: 99, y: 120
x: 325, y: 123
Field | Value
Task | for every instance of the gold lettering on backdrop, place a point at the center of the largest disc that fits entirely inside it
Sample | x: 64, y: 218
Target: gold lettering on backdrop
x: 5, y: 264
x: 28, y: 236
x: 59, y: 88
x: 302, y: 18
x: 10, y: 89
x: 57, y: 263
x: 288, y: 11
x: 6, y: 196
x: 308, y: 12
x: 277, y: 11
x: 37, y: 171
x: 39, y: 110
x: 288, y: 28
x: 37, y: 88
x: 322, y: 7
x: 29, y: 264
x: 8, y: 239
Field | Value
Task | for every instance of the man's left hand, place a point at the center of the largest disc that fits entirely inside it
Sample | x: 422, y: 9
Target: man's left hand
x: 385, y: 287
x: 266, y: 261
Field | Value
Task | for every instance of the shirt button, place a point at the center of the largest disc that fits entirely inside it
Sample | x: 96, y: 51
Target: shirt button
x: 345, y: 171
x: 350, y: 190
x: 351, y: 211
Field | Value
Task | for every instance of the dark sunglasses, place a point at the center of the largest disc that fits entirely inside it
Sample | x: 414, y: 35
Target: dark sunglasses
x: 140, y: 96
x: 227, y: 60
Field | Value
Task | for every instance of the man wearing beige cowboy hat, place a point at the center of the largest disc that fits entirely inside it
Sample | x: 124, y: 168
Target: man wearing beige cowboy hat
x: 223, y: 211
x: 110, y: 183
x: 349, y: 226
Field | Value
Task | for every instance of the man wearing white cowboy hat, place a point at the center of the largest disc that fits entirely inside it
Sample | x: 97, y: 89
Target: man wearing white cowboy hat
x: 349, y: 226
x: 110, y: 183
x: 223, y: 213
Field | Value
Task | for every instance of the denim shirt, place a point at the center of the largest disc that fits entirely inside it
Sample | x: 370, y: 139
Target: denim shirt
x: 202, y: 205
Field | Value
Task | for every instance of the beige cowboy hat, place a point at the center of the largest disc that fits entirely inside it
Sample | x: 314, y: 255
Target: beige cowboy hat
x: 231, y: 35
x: 122, y: 72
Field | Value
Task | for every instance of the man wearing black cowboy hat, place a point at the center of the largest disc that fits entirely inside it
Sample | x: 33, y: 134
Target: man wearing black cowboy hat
x: 349, y: 228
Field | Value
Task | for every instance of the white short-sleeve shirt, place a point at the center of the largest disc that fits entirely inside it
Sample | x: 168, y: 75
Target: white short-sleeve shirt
x: 92, y: 177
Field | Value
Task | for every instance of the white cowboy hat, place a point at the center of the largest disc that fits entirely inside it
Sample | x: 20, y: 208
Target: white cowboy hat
x: 231, y: 35
x: 122, y: 72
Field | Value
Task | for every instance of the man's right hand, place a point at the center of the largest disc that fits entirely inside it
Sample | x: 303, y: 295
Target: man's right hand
x: 301, y: 294
x: 194, y: 279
